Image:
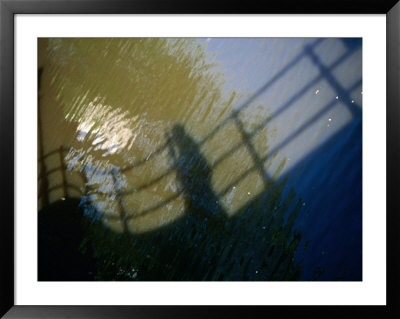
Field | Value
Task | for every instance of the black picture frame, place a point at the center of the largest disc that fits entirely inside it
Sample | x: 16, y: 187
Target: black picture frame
x: 8, y: 10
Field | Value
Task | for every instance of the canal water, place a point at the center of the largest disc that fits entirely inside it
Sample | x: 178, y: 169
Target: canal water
x: 200, y: 159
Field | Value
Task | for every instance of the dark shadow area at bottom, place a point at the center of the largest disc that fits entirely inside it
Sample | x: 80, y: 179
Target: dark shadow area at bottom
x: 61, y: 231
x: 250, y: 246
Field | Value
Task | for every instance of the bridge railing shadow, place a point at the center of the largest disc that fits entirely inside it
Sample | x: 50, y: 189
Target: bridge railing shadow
x: 259, y: 160
x: 44, y: 188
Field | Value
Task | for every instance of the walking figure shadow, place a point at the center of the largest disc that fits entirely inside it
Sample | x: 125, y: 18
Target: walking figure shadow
x: 194, y: 175
x: 206, y: 221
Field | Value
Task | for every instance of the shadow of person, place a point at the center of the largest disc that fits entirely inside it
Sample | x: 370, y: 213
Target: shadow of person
x: 206, y: 221
x: 194, y: 176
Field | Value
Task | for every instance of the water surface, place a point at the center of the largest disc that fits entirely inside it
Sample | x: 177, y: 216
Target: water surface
x: 206, y: 159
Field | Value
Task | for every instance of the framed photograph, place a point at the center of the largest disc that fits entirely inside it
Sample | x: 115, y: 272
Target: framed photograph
x: 163, y: 159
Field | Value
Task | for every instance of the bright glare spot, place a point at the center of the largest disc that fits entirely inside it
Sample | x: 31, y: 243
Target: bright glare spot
x: 112, y: 131
x: 337, y: 97
x: 329, y: 119
x: 317, y: 91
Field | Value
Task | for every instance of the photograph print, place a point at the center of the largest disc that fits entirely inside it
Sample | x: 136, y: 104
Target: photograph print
x: 199, y: 159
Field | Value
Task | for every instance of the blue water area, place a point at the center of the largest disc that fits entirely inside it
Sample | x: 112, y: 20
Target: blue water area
x: 330, y: 183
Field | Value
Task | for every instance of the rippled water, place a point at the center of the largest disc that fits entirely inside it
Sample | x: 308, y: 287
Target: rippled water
x: 234, y: 154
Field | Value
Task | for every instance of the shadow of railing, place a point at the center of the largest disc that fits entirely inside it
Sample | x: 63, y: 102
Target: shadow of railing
x: 44, y: 190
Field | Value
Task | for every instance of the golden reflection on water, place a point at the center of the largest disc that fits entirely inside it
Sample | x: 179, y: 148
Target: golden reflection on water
x: 112, y: 102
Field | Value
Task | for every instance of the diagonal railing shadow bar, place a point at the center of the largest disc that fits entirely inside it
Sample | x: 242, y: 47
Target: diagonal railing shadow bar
x: 57, y: 150
x: 119, y: 198
x: 159, y: 205
x: 145, y: 159
x: 253, y: 153
x: 44, y: 190
x: 307, y: 124
x: 304, y: 90
x: 141, y: 187
x: 285, y: 142
x: 237, y: 180
x: 258, y: 92
x: 61, y: 186
x: 96, y: 170
x: 150, y: 209
x: 325, y: 71
x: 149, y: 184
x: 53, y: 170
x: 280, y: 110
x: 49, y: 172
